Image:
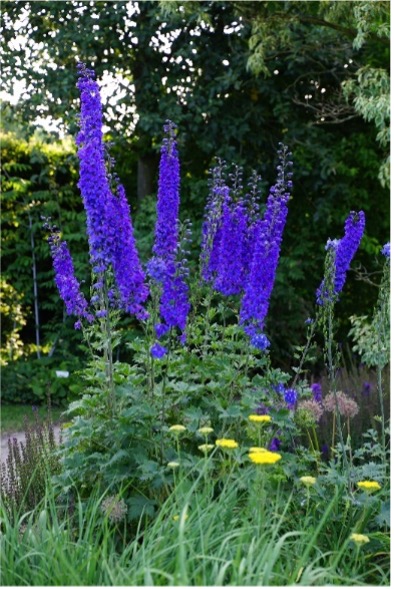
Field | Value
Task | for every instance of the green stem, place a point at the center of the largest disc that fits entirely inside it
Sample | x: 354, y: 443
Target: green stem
x: 108, y: 353
x: 331, y: 368
x: 380, y: 391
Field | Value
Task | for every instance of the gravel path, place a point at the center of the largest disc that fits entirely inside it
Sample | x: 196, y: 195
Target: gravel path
x: 20, y: 436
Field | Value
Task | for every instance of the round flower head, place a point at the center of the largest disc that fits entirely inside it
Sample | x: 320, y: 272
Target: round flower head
x: 264, y: 457
x: 205, y: 430
x: 313, y: 408
x: 308, y: 481
x: 227, y: 443
x: 173, y: 465
x: 206, y: 448
x: 115, y: 509
x: 359, y: 539
x: 259, y: 418
x: 347, y: 406
x: 178, y: 429
x: 369, y: 486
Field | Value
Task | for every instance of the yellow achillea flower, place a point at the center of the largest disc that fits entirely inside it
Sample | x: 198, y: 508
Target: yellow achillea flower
x: 173, y: 464
x: 369, y: 486
x: 206, y: 447
x: 264, y: 457
x: 177, y: 429
x: 257, y: 449
x: 226, y: 443
x: 205, y: 430
x: 259, y: 418
x: 308, y: 481
x: 359, y: 539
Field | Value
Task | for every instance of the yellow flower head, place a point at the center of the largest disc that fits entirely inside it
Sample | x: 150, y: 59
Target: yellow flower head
x: 259, y: 418
x: 173, y: 465
x: 226, y: 443
x: 177, y: 429
x: 264, y: 457
x: 205, y: 430
x: 257, y: 449
x: 359, y: 539
x: 369, y: 486
x: 308, y: 481
x: 176, y: 517
x: 206, y: 447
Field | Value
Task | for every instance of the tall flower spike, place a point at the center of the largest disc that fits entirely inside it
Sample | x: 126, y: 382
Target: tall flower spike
x: 343, y: 251
x: 129, y: 276
x: 211, y: 228
x: 166, y: 234
x: 268, y: 237
x: 93, y: 183
x: 66, y: 282
x: 109, y: 227
x: 164, y: 267
x: 232, y: 249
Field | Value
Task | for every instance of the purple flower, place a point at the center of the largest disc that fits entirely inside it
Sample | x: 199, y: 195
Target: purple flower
x: 164, y: 267
x: 158, y: 351
x: 274, y: 445
x: 268, y: 238
x: 279, y: 388
x: 260, y: 341
x: 109, y: 227
x: 343, y: 251
x: 93, y: 183
x: 230, y: 277
x: 261, y: 409
x: 66, y: 282
x: 385, y: 251
x: 101, y: 313
x: 309, y: 321
x: 366, y: 388
x: 168, y: 200
x: 290, y: 396
x: 317, y: 392
x: 129, y: 276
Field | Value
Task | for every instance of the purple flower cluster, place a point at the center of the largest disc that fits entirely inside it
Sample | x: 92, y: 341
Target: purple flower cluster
x: 385, y: 251
x: 290, y: 396
x: 164, y: 268
x: 317, y: 392
x: 129, y: 276
x: 232, y: 248
x: 66, y: 282
x: 109, y: 227
x: 267, y: 243
x: 228, y: 232
x: 343, y: 251
x: 93, y: 183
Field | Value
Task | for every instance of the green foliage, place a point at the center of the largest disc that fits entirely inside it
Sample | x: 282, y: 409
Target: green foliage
x: 31, y: 380
x: 254, y: 532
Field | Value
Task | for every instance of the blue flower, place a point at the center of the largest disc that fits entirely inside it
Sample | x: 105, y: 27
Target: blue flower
x: 317, y: 392
x: 260, y: 341
x: 66, y: 282
x: 343, y: 251
x: 158, y: 351
x: 290, y: 396
x: 385, y: 251
x: 267, y: 242
x: 164, y: 268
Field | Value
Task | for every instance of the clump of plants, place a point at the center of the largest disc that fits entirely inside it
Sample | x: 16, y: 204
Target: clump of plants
x: 28, y: 466
x: 201, y: 411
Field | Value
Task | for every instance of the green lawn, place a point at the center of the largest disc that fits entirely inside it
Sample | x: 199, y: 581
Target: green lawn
x: 12, y: 416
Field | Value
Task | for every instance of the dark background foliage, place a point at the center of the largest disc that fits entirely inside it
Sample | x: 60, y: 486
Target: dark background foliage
x: 236, y: 77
